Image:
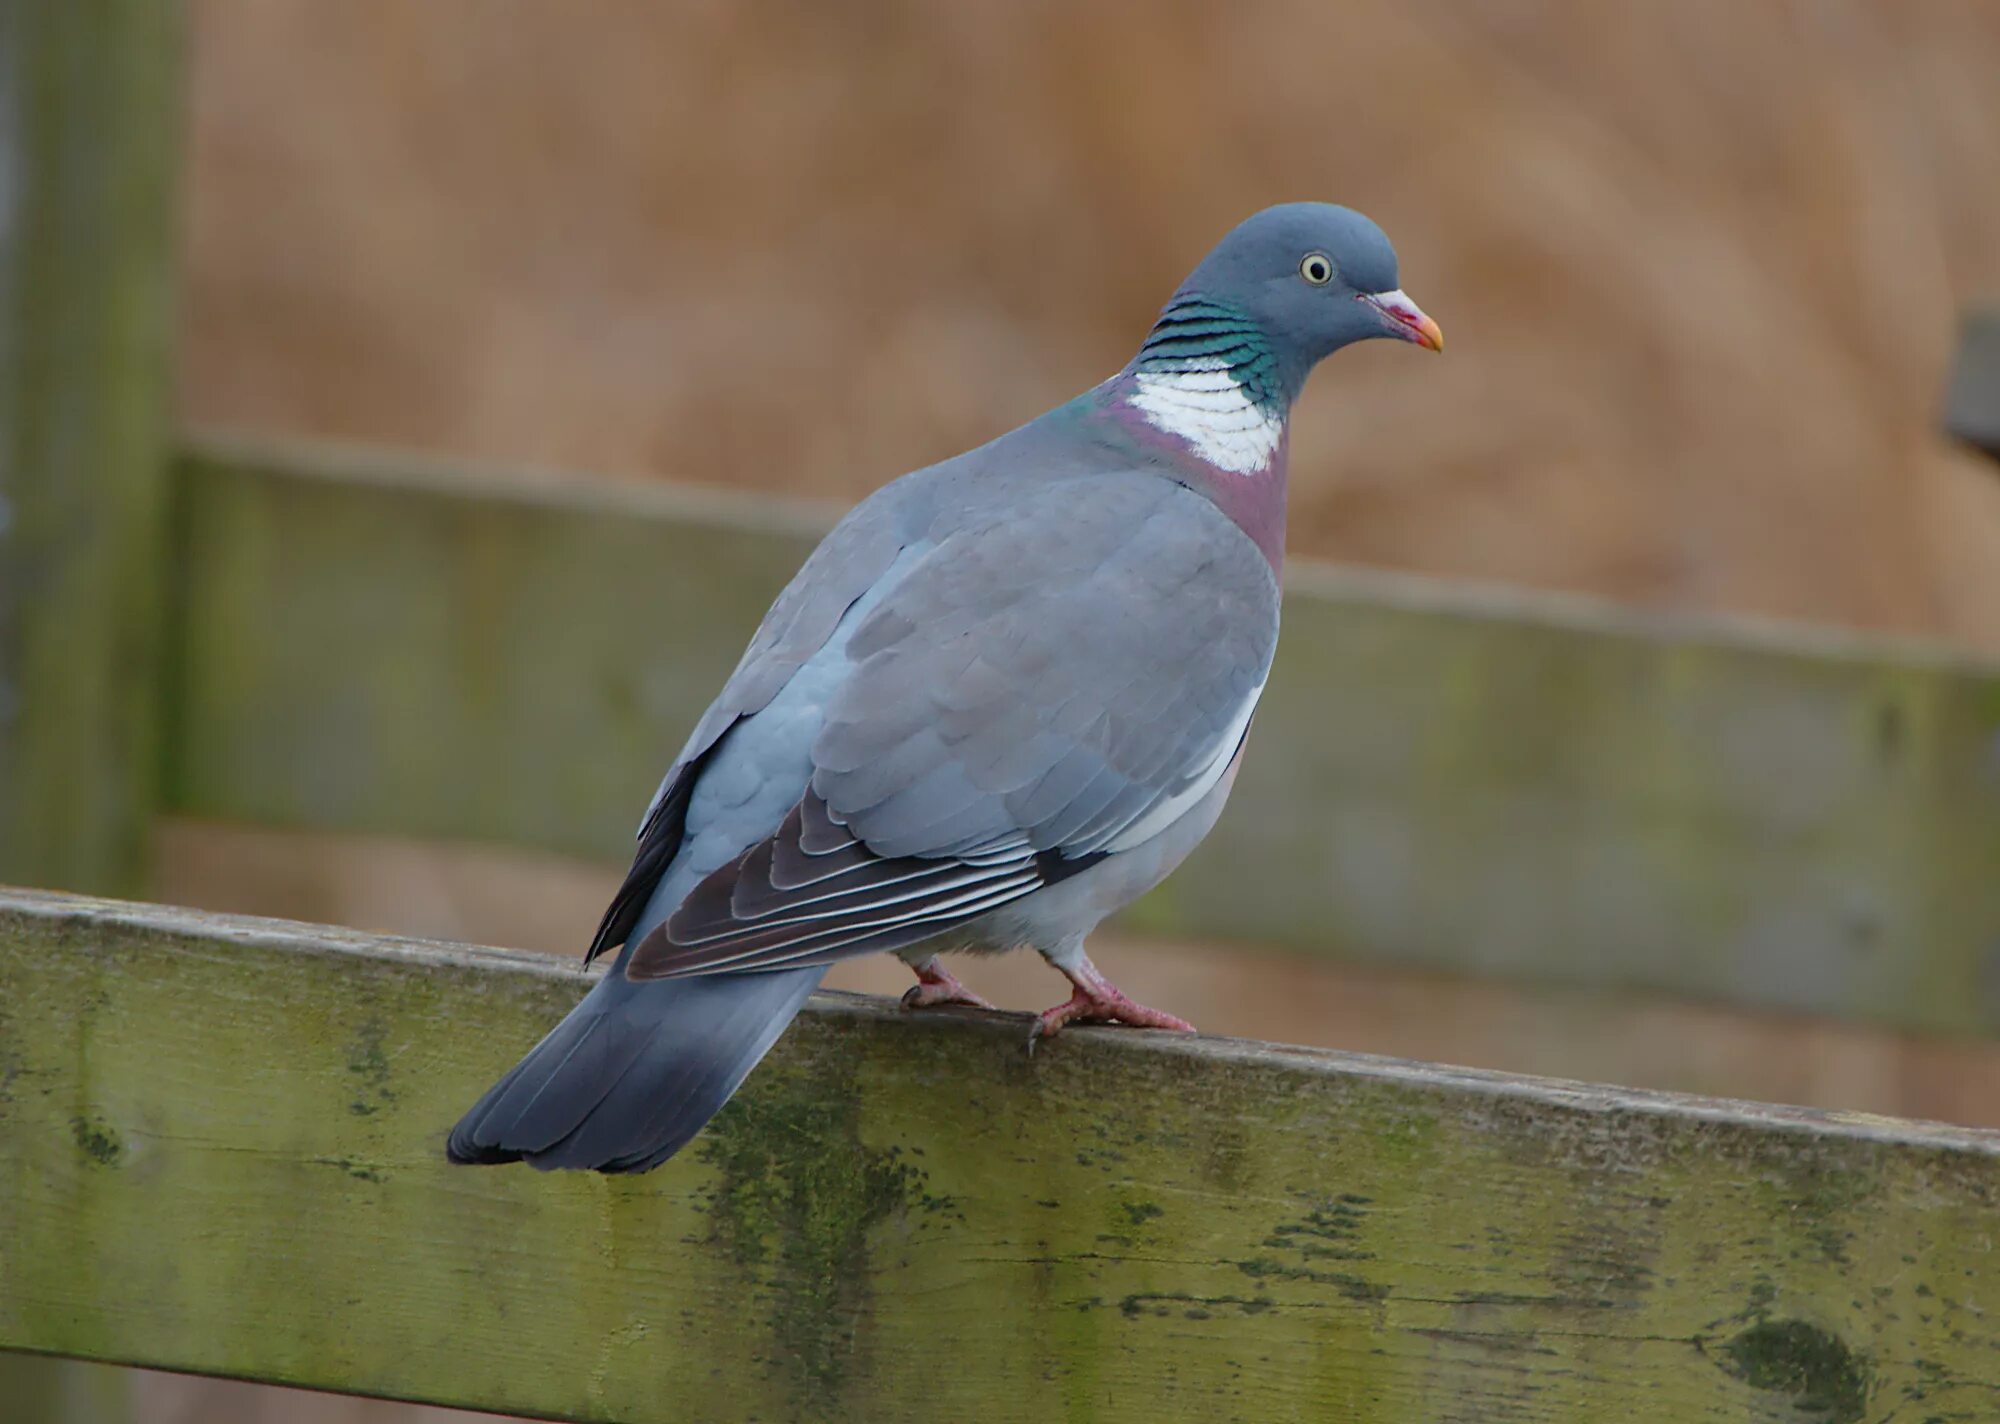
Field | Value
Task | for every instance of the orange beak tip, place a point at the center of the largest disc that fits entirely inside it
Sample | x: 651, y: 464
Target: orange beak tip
x: 1408, y: 320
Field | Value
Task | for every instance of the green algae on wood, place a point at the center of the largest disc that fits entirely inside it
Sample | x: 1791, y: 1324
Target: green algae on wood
x: 907, y: 1218
x: 1474, y: 781
x: 88, y: 119
x: 89, y: 100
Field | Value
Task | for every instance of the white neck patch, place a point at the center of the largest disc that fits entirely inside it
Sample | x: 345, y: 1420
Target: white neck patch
x: 1205, y: 406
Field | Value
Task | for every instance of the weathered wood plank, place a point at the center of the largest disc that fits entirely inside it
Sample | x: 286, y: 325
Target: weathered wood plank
x: 376, y: 647
x: 88, y: 117
x: 219, y: 1149
x: 1530, y: 786
x: 89, y: 104
x: 1972, y: 406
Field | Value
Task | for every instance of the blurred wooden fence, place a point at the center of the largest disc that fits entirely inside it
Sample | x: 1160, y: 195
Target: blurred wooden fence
x: 218, y: 1138
x: 1444, y: 778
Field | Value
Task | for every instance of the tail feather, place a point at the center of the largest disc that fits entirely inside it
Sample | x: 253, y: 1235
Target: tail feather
x: 633, y: 1073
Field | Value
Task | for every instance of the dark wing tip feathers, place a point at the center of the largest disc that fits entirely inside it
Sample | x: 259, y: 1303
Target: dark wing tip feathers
x: 659, y: 841
x: 462, y: 1149
x: 812, y: 893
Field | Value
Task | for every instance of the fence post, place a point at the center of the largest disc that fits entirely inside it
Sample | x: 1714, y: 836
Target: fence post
x: 89, y: 126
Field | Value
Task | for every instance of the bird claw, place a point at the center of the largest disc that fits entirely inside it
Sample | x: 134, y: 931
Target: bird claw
x: 936, y: 987
x: 1098, y: 1001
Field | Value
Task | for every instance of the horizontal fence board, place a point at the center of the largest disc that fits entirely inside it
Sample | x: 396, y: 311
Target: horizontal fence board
x: 1529, y: 786
x: 220, y: 1150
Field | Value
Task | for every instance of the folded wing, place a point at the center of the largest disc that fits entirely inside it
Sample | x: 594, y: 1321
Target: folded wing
x: 1033, y: 696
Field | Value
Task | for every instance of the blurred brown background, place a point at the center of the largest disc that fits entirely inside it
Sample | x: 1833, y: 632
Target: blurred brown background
x: 1698, y: 264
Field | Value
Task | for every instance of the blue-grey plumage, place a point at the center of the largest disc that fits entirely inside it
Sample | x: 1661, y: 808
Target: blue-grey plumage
x: 1004, y: 697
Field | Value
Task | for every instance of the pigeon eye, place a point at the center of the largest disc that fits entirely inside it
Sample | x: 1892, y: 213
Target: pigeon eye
x: 1317, y: 268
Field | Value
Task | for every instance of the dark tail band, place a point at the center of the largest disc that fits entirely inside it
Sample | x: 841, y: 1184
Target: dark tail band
x: 633, y: 1073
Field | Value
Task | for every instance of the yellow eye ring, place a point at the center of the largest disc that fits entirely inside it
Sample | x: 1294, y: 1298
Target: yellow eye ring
x: 1316, y: 268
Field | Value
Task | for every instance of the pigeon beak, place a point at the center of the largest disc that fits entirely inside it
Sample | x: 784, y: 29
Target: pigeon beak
x: 1406, y: 319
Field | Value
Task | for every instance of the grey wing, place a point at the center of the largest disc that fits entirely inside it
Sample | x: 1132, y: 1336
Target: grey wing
x: 841, y: 570
x: 1036, y: 693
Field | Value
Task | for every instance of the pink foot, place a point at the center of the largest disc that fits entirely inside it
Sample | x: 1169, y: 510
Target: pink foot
x: 1097, y: 1000
x: 937, y: 985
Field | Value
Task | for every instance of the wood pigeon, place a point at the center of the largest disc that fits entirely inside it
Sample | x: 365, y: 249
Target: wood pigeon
x: 1003, y: 698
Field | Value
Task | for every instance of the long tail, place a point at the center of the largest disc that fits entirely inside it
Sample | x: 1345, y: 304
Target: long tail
x: 634, y: 1071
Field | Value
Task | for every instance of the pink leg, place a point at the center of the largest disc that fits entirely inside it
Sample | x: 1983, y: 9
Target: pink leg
x: 1098, y: 1000
x: 937, y: 985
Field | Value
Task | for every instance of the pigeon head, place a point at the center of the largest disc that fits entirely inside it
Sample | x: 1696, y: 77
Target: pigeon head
x: 1308, y: 279
x: 1211, y: 390
x: 1230, y: 352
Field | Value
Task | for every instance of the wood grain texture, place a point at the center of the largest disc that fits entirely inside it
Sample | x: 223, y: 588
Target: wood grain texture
x: 88, y: 119
x: 219, y: 1146
x: 1527, y: 786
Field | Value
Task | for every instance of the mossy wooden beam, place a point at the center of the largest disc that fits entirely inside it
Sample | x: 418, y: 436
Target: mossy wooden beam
x: 88, y: 119
x: 1534, y: 787
x: 220, y: 1152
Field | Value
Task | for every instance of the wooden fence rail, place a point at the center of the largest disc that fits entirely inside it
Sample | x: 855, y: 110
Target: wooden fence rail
x: 1527, y: 786
x: 219, y: 1152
